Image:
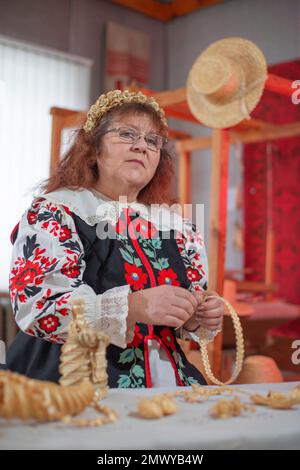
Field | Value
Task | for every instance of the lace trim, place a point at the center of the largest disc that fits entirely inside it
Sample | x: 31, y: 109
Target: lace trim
x: 108, y: 312
x: 194, y: 336
x: 93, y: 208
x: 86, y: 208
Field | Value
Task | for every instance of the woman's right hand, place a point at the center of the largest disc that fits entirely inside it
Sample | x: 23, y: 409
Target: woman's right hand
x: 162, y: 305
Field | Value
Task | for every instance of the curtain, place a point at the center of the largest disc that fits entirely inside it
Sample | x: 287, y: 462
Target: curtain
x: 32, y: 80
x: 275, y: 167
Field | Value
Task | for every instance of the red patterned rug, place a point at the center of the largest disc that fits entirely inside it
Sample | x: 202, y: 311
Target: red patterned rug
x: 285, y: 202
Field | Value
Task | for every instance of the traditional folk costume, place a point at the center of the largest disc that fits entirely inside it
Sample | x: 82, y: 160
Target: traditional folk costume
x: 58, y: 256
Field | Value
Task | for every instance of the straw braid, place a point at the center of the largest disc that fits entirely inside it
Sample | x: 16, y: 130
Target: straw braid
x: 240, y: 349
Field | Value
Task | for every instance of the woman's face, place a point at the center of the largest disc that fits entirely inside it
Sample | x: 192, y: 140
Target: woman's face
x: 126, y: 164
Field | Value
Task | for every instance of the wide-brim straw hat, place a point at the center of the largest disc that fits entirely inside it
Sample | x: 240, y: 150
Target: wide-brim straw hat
x: 226, y: 82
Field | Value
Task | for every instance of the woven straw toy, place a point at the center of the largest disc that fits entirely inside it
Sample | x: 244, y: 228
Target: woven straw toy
x: 83, y: 381
x: 26, y: 399
x: 83, y: 356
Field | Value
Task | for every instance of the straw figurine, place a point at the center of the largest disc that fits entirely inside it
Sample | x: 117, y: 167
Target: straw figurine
x: 83, y: 356
x: 28, y: 399
x: 83, y: 381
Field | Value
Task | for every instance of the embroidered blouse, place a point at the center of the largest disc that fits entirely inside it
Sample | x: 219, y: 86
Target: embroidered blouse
x: 48, y: 267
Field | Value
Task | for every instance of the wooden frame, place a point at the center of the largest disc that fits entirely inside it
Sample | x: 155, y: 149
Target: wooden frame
x: 165, y: 12
x: 248, y: 131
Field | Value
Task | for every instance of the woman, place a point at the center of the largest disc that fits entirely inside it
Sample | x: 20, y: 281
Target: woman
x: 77, y: 240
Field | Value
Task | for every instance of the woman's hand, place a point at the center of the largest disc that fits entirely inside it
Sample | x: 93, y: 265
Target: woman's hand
x: 209, y: 312
x: 162, y: 305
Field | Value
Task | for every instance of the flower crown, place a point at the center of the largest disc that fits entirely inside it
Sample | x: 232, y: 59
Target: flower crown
x: 116, y: 98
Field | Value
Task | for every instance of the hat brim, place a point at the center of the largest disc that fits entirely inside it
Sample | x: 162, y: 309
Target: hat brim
x: 220, y: 114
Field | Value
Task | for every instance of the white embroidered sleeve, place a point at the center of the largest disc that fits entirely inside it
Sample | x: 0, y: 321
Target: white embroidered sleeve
x: 47, y: 273
x: 194, y: 249
x: 108, y: 312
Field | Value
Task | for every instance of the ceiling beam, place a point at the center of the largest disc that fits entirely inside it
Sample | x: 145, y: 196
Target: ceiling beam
x: 165, y: 11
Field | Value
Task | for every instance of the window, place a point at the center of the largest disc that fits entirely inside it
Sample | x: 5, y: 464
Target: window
x: 32, y: 80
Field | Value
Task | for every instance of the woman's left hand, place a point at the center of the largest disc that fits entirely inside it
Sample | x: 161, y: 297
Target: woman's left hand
x: 209, y: 313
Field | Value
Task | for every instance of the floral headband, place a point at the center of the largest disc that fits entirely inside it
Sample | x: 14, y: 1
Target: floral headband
x: 116, y: 98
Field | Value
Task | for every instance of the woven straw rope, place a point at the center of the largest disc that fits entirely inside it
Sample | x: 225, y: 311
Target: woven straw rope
x: 240, y: 349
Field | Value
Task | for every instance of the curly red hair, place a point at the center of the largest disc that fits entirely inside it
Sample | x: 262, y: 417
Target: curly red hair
x: 78, y: 168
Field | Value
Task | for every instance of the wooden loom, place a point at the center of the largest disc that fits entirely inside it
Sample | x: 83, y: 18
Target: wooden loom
x: 248, y: 131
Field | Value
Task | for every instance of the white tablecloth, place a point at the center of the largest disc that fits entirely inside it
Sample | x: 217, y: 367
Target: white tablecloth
x: 190, y: 428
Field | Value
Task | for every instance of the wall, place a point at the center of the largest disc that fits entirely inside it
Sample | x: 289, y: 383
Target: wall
x: 273, y: 25
x: 78, y: 27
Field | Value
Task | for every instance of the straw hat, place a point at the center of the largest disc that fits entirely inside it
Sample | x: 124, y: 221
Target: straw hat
x: 259, y: 369
x: 226, y: 82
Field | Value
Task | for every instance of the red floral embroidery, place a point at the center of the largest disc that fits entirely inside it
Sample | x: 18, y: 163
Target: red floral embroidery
x: 198, y: 238
x: 26, y: 273
x: 168, y: 276
x: 14, y: 232
x: 37, y: 202
x: 30, y: 331
x: 64, y: 234
x: 32, y: 217
x: 63, y: 300
x: 193, y: 274
x: 168, y: 338
x: 134, y: 276
x: 40, y: 303
x: 137, y: 339
x: 198, y: 287
x: 180, y: 241
x: 49, y: 323
x: 71, y: 268
x: 32, y: 214
x: 52, y: 220
x: 57, y: 339
x: 67, y: 210
x: 53, y: 225
x: 190, y: 236
x: 199, y: 267
x: 64, y: 312
x: 30, y: 268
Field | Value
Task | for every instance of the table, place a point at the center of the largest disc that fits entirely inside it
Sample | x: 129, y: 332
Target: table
x: 190, y: 428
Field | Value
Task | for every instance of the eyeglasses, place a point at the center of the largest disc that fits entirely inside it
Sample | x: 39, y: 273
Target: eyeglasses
x: 128, y: 134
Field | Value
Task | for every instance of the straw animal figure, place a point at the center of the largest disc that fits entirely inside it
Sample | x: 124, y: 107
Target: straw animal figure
x: 83, y: 381
x: 26, y: 399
